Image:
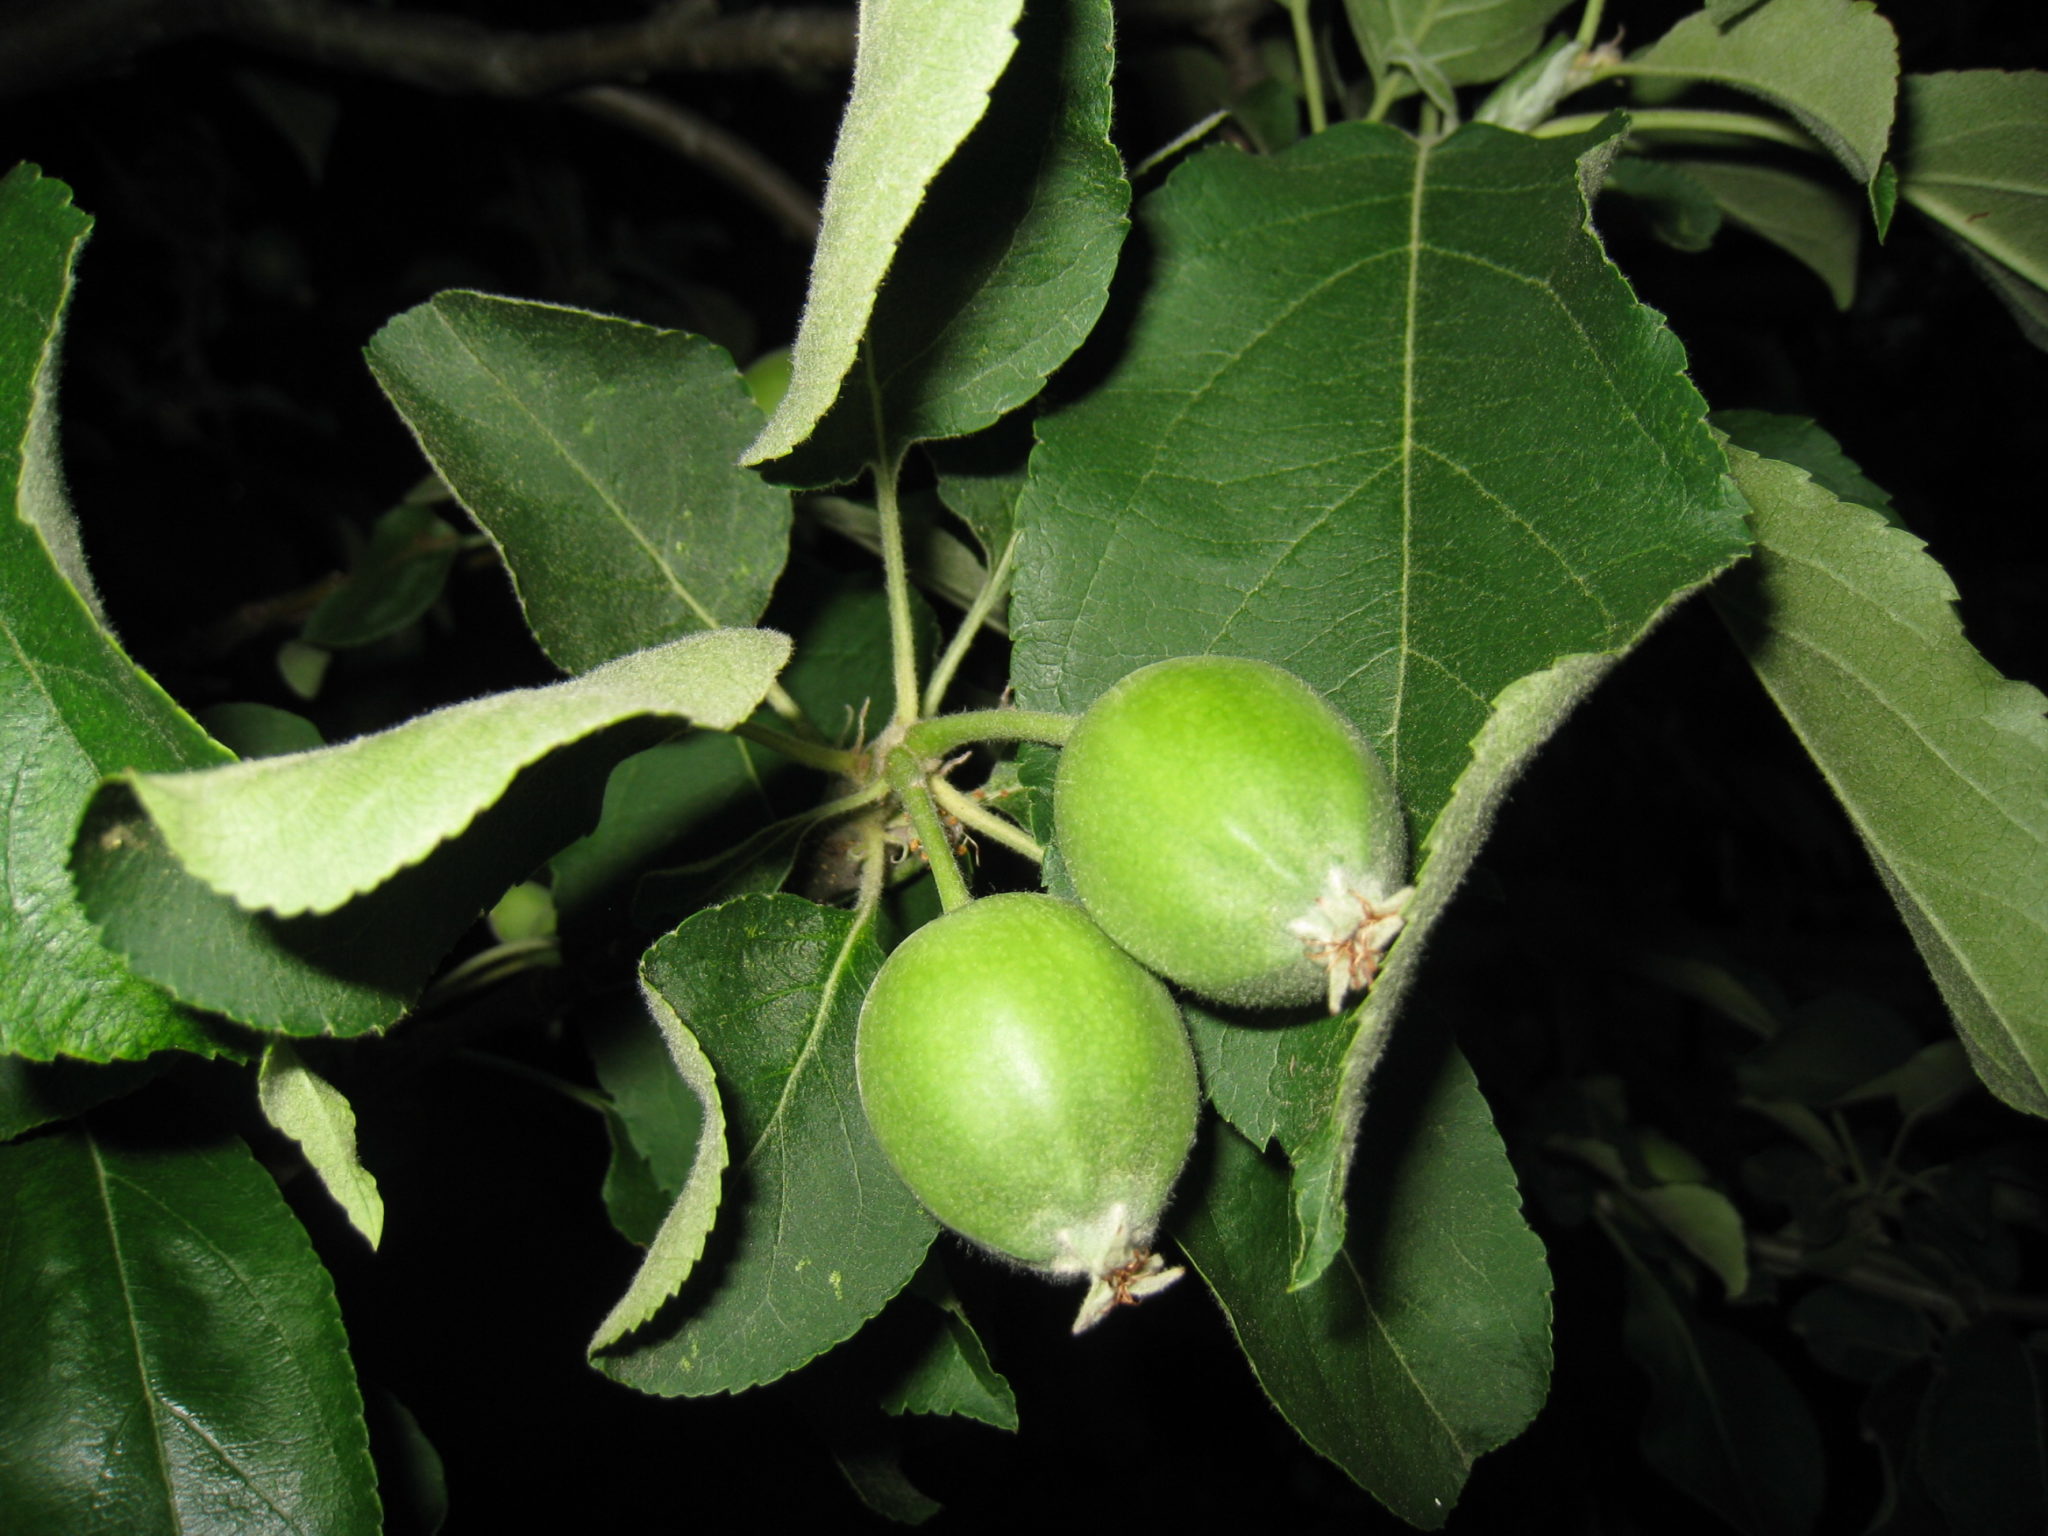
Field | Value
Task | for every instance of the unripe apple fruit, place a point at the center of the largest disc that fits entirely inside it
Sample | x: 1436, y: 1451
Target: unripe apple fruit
x: 1231, y: 830
x: 1035, y: 1089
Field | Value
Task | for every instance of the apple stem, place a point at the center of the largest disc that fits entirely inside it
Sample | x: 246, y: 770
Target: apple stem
x: 908, y: 782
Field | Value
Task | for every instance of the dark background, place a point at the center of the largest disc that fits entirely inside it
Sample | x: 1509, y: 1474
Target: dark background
x: 260, y: 216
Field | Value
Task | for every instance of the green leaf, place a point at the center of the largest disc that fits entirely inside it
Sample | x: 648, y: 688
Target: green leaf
x: 1006, y: 265
x: 1982, y: 1427
x: 1973, y: 156
x: 34, y: 1093
x: 1683, y: 213
x: 1391, y: 420
x: 655, y: 1122
x: 1799, y: 440
x: 1941, y: 763
x: 259, y: 730
x: 951, y: 1373
x: 73, y: 708
x: 1701, y: 1220
x: 679, y: 1243
x: 1466, y: 44
x: 1724, y: 1422
x: 1428, y: 1343
x: 397, y: 578
x: 921, y: 80
x: 309, y: 832
x: 175, y: 1358
x: 1855, y: 1334
x: 1836, y: 1044
x: 817, y: 1232
x: 654, y: 800
x: 1832, y: 64
x: 310, y: 1110
x: 353, y: 970
x: 598, y: 455
x: 1818, y: 224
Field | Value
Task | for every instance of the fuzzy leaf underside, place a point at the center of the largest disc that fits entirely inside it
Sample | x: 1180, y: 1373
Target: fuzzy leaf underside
x: 1005, y: 267
x: 313, y: 1112
x: 1833, y: 64
x: 73, y: 707
x: 1941, y: 763
x: 1973, y: 157
x: 921, y: 81
x: 308, y: 832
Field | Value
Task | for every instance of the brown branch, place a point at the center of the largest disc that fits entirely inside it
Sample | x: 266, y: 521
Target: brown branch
x: 46, y: 43
x: 718, y: 150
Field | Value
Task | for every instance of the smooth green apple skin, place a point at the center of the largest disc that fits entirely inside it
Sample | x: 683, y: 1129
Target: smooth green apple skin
x: 1031, y: 1084
x: 1203, y: 804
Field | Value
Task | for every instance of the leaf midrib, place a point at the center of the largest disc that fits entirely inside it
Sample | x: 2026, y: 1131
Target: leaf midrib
x: 587, y: 475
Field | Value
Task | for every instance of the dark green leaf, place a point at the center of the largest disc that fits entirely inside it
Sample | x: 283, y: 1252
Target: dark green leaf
x: 1819, y: 224
x: 950, y: 1373
x: 679, y: 792
x: 1982, y: 1429
x: 1467, y: 44
x: 1682, y: 211
x: 816, y: 1231
x: 1858, y: 1335
x: 599, y: 457
x: 1941, y: 763
x: 1006, y: 265
x: 34, y: 1093
x: 1835, y: 1045
x: 260, y: 730
x: 1724, y: 1422
x: 73, y: 708
x: 175, y: 1359
x: 346, y: 972
x: 656, y: 1121
x: 398, y: 578
x: 1427, y: 1343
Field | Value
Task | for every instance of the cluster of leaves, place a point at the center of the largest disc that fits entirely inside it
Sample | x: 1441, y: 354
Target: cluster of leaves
x: 1373, y: 404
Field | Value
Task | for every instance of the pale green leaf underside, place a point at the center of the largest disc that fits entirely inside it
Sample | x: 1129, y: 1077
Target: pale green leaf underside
x: 679, y: 1242
x: 1006, y: 265
x: 1466, y: 42
x: 1428, y: 1343
x: 815, y: 1233
x: 921, y: 80
x: 1819, y: 224
x: 73, y: 707
x: 307, y: 832
x: 1833, y: 64
x: 1973, y: 156
x: 599, y: 457
x: 312, y: 1111
x: 1941, y: 763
